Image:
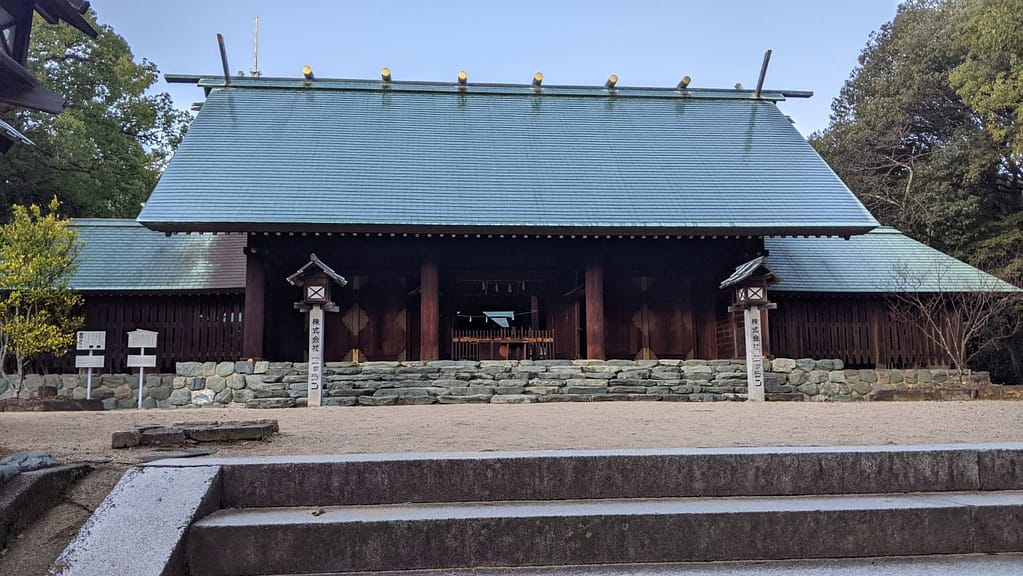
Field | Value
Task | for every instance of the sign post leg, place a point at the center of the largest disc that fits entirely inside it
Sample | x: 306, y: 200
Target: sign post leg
x: 88, y: 381
x: 142, y: 372
x: 315, y: 356
x: 754, y: 355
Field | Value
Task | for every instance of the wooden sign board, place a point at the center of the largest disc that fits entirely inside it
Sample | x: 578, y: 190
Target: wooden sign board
x: 142, y: 360
x: 754, y: 355
x: 89, y: 361
x: 91, y: 340
x: 315, y: 381
x: 141, y: 339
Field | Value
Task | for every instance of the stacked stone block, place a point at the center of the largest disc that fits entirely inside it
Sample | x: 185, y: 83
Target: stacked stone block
x: 283, y: 384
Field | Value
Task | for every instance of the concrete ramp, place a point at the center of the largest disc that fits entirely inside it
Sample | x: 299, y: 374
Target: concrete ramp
x: 595, y: 512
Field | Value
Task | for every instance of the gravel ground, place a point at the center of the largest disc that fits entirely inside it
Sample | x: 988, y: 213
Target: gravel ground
x: 85, y: 437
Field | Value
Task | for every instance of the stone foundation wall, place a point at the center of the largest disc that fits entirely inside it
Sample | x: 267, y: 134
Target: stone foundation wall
x: 273, y: 384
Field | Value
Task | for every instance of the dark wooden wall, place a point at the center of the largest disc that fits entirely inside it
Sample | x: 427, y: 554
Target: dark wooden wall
x: 650, y: 315
x: 191, y: 327
x: 859, y: 330
x: 667, y: 307
x: 728, y: 333
x: 731, y: 332
x: 373, y: 319
x: 565, y: 315
x: 660, y: 295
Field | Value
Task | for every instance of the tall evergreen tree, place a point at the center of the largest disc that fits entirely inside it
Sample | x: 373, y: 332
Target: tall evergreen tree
x: 104, y: 153
x: 907, y: 144
x: 927, y: 132
x: 990, y: 81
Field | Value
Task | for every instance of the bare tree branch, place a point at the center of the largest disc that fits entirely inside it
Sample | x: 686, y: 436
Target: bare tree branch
x: 960, y: 320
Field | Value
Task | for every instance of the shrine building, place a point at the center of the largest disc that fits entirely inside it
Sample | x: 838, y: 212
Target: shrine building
x: 482, y: 221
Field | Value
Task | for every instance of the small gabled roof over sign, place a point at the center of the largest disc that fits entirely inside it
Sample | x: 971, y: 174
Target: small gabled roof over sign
x: 882, y: 261
x: 310, y: 267
x: 755, y: 268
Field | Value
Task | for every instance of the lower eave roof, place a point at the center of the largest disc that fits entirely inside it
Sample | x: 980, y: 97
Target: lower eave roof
x: 120, y: 256
x: 881, y: 262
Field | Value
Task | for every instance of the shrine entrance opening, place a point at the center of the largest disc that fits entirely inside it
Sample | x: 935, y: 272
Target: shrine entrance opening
x: 499, y: 318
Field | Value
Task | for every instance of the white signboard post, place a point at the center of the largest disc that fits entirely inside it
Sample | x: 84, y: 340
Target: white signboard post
x: 754, y: 354
x: 315, y: 355
x: 315, y: 278
x: 141, y: 339
x: 750, y: 282
x: 89, y: 340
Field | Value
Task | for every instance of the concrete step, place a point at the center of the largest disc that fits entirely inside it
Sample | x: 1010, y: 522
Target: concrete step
x: 972, y: 564
x: 570, y: 475
x: 304, y: 540
x: 536, y: 517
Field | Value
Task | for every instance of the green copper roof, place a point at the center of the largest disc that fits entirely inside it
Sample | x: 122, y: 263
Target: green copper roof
x: 357, y: 155
x: 884, y: 260
x: 121, y: 255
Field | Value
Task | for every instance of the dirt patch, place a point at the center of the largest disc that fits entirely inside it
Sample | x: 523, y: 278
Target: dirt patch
x: 85, y: 437
x: 37, y: 547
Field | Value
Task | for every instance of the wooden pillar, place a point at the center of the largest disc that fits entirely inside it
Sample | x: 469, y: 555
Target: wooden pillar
x: 255, y: 303
x: 429, y: 311
x: 766, y: 336
x: 704, y: 296
x: 534, y: 312
x: 738, y: 343
x: 594, y: 310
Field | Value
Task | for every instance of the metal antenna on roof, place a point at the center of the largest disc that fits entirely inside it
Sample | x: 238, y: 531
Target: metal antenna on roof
x: 255, y: 52
x: 763, y: 73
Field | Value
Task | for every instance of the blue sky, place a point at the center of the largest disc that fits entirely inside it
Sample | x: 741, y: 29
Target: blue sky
x: 720, y: 43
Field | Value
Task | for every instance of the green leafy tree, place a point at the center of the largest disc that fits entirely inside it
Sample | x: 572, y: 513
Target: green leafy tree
x: 906, y: 143
x: 103, y: 155
x: 37, y: 306
x: 917, y: 134
x: 990, y: 79
x: 926, y: 131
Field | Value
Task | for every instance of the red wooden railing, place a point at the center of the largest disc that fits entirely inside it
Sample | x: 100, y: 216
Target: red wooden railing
x: 508, y: 344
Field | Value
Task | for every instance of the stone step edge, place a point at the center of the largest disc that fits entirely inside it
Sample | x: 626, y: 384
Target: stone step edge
x: 928, y: 565
x: 312, y: 515
x: 305, y: 541
x: 568, y: 474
